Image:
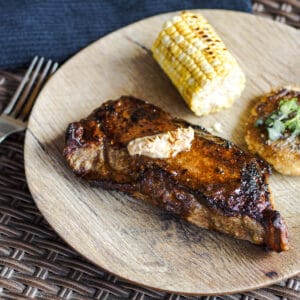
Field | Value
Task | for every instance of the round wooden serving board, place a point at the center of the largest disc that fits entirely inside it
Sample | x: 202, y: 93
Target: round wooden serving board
x: 132, y: 239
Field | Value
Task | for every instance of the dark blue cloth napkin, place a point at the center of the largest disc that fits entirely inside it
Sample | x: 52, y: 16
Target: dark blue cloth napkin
x: 59, y: 28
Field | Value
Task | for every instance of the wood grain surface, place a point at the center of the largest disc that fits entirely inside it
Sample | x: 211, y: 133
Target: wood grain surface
x: 127, y: 237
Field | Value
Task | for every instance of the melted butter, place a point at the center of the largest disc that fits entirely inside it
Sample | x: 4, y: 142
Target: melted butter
x: 163, y: 145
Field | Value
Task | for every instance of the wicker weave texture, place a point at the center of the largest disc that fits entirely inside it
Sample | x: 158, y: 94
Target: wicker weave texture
x: 34, y: 261
x: 287, y: 11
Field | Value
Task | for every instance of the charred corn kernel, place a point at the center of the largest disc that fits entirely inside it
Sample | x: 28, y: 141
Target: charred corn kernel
x: 196, y: 60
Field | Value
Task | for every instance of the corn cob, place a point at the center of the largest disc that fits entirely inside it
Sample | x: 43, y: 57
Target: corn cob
x: 198, y: 63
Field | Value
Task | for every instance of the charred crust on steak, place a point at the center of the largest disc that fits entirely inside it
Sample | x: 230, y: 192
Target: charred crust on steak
x: 276, y: 231
x: 215, y: 173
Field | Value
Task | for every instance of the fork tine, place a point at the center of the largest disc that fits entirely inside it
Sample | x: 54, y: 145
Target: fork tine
x: 20, y: 88
x: 33, y: 95
x: 54, y: 68
x: 25, y: 93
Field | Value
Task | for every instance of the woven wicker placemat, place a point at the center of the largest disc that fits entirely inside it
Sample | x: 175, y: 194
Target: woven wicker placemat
x: 287, y: 11
x: 36, y: 264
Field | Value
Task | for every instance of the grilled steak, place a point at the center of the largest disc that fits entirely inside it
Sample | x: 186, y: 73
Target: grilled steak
x: 214, y: 185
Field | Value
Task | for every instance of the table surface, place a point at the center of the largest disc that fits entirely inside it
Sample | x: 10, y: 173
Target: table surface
x: 36, y: 263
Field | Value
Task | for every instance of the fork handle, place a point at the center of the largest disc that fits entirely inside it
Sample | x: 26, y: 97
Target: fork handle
x: 8, y: 127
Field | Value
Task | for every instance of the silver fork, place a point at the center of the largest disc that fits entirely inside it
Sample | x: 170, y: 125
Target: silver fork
x: 15, y: 115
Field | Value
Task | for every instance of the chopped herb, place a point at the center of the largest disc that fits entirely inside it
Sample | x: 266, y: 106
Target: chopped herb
x: 283, y: 121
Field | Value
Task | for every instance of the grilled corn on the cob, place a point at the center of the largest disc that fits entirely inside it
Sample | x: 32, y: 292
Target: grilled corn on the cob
x: 198, y: 63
